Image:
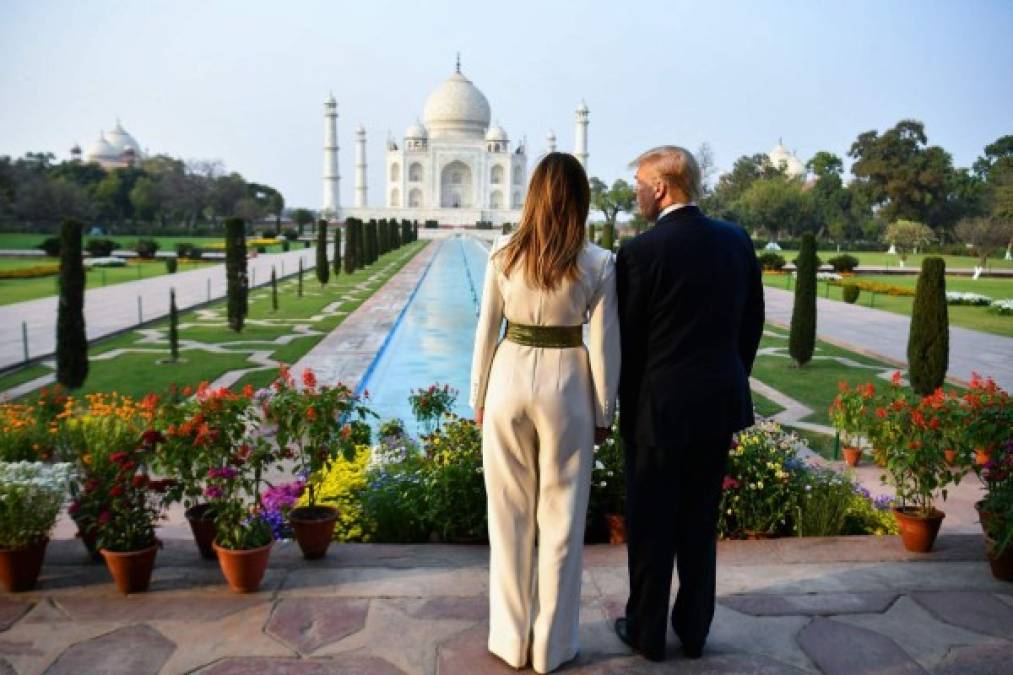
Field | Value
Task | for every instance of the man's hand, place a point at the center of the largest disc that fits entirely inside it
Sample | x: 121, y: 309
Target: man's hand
x: 601, y: 434
x: 479, y: 415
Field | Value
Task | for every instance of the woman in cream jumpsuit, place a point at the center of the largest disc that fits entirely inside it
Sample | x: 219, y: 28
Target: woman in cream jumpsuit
x: 542, y: 405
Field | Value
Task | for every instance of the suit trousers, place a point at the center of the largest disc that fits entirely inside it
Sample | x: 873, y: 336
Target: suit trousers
x: 673, y: 497
x: 537, y: 450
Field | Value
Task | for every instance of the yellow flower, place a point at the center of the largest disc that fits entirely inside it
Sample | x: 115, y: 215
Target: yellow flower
x: 86, y: 458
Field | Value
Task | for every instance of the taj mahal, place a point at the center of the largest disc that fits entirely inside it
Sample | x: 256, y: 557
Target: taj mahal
x: 452, y: 166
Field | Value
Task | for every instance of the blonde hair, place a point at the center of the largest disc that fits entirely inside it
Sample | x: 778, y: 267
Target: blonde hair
x: 551, y: 232
x: 675, y: 166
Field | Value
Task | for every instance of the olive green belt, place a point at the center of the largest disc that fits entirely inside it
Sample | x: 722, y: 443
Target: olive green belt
x: 552, y: 337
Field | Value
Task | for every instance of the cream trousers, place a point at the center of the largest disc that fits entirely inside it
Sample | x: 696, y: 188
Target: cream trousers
x: 538, y: 450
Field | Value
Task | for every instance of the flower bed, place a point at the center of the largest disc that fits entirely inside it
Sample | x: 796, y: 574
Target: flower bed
x: 1002, y: 307
x: 875, y: 287
x: 32, y: 272
x: 961, y: 298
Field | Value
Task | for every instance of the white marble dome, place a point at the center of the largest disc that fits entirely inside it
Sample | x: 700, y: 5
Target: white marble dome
x: 457, y: 109
x: 416, y: 130
x: 496, y: 133
x: 781, y: 157
x: 121, y: 141
x: 100, y: 150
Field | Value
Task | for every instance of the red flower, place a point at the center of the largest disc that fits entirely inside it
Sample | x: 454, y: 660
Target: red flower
x: 309, y: 379
x: 118, y: 457
x: 311, y: 414
x: 151, y: 436
x: 74, y: 507
x: 116, y: 491
x: 895, y: 379
x: 104, y: 517
x: 140, y: 480
x: 842, y: 386
x: 881, y: 413
x: 248, y: 391
x: 346, y: 431
x: 730, y: 483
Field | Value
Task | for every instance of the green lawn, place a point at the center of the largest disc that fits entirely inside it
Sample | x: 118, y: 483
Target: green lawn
x: 139, y: 373
x: 883, y: 259
x: 815, y: 384
x: 976, y: 318
x: 19, y: 290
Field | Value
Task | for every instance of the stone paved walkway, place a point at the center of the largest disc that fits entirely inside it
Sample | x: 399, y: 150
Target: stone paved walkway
x: 884, y: 335
x: 114, y: 308
x: 838, y: 605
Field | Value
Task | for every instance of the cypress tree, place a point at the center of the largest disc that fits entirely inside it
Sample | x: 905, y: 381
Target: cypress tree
x: 174, y: 326
x: 928, y: 345
x: 350, y: 244
x: 802, y: 340
x: 370, y: 242
x: 360, y: 245
x: 323, y: 270
x: 71, y: 339
x: 299, y: 288
x: 235, y: 272
x: 395, y: 235
x: 336, y: 254
x: 607, y: 238
x: 274, y: 290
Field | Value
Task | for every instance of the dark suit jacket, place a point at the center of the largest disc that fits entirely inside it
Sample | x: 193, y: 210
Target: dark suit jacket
x: 691, y: 317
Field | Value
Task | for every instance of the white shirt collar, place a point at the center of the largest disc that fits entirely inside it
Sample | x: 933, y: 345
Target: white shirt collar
x: 672, y: 207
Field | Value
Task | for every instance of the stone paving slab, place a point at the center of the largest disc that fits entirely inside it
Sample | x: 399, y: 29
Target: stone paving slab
x: 784, y: 606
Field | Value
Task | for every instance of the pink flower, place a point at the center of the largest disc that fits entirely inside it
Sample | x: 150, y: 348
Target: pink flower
x: 212, y: 492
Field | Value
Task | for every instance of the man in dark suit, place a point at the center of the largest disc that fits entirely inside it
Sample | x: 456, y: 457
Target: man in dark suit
x: 691, y: 317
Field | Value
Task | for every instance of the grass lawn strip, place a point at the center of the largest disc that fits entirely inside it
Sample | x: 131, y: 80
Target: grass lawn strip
x: 884, y: 259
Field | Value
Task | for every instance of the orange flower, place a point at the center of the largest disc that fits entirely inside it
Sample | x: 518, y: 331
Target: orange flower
x: 248, y: 391
x: 311, y: 414
x: 895, y: 379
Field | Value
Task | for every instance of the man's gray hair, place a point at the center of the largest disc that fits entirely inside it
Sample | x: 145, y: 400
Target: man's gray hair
x: 676, y: 166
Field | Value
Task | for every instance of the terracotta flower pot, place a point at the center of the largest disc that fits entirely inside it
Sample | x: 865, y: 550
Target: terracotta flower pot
x: 243, y: 568
x: 916, y: 531
x: 20, y: 567
x: 203, y: 527
x: 852, y: 456
x: 1002, y: 565
x: 131, y: 570
x: 313, y: 527
x: 616, y: 524
x: 950, y: 456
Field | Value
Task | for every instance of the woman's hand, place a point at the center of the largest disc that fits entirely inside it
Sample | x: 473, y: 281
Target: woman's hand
x: 601, y: 434
x: 479, y: 415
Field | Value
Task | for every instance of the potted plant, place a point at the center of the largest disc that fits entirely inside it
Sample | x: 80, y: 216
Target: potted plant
x: 200, y: 433
x: 990, y: 417
x: 848, y: 415
x: 243, y: 535
x: 126, y: 530
x: 430, y: 405
x: 308, y: 429
x: 995, y: 511
x: 916, y: 468
x: 31, y: 494
x: 109, y: 424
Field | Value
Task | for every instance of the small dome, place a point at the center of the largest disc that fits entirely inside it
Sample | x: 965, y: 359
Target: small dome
x: 496, y: 133
x: 551, y: 136
x: 416, y: 130
x: 582, y: 108
x: 100, y: 150
x: 121, y: 141
x: 360, y: 130
x: 780, y: 157
x: 457, y: 109
x: 330, y: 99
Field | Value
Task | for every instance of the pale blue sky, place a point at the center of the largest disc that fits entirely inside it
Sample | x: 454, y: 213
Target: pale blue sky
x: 244, y: 82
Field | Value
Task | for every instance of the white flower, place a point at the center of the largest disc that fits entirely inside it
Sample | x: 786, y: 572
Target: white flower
x: 961, y: 298
x: 598, y: 465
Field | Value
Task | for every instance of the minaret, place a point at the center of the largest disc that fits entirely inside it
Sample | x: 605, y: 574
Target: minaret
x: 332, y: 198
x: 360, y: 167
x: 550, y: 142
x: 580, y: 142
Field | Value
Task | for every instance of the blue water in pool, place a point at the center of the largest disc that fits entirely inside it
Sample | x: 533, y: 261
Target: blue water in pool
x: 433, y: 342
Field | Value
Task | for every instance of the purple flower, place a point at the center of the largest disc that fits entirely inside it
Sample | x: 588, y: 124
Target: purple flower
x: 212, y: 492
x: 225, y: 472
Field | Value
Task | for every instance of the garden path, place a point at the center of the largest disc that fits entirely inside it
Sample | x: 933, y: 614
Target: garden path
x: 884, y: 335
x: 833, y: 605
